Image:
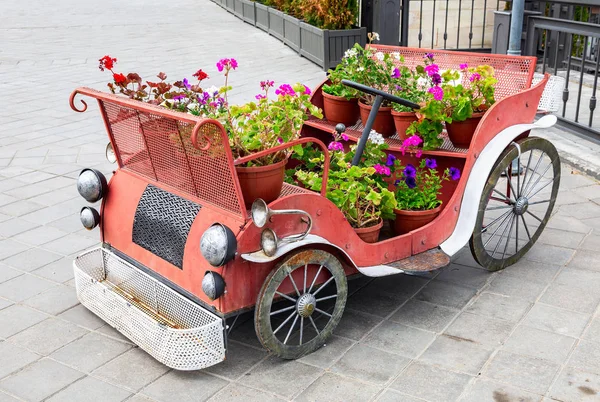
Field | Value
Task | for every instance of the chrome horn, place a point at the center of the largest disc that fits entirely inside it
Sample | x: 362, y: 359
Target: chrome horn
x: 261, y: 214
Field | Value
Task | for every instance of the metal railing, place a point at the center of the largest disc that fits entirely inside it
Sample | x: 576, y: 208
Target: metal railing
x: 571, y: 49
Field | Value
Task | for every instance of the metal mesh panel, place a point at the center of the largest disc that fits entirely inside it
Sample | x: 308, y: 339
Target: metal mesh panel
x: 160, y: 149
x: 289, y: 189
x: 171, y: 328
x: 551, y: 100
x: 162, y: 224
x: 513, y: 74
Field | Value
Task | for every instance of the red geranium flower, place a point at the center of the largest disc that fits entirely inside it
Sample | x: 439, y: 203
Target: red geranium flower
x: 200, y: 75
x: 107, y: 62
x: 119, y: 78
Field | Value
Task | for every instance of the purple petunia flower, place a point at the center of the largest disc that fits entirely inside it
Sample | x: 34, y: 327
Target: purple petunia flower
x: 390, y: 160
x: 432, y: 69
x: 335, y: 146
x: 475, y: 77
x: 409, y: 171
x: 344, y: 136
x: 438, y: 93
x: 398, y: 88
x: 428, y: 56
x: 430, y: 163
x: 396, y: 73
x: 411, y: 182
x: 464, y: 66
x: 179, y: 97
x: 307, y: 90
x: 396, y: 182
x: 186, y: 83
x: 454, y: 173
x: 280, y: 140
x: 436, y: 79
x: 260, y: 96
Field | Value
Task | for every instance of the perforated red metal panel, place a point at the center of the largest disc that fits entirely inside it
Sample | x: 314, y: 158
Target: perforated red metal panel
x: 514, y: 73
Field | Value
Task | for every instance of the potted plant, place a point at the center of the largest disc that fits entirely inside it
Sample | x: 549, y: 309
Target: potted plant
x: 466, y: 103
x: 417, y: 190
x: 360, y: 192
x: 405, y: 85
x: 340, y: 102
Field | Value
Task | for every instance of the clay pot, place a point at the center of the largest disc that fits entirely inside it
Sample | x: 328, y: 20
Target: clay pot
x: 384, y: 122
x: 407, y: 221
x: 340, y: 110
x: 402, y: 120
x: 369, y: 234
x: 461, y: 132
x: 261, y: 182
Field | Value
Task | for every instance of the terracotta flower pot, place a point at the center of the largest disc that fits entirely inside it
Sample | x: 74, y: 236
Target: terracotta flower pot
x: 384, y: 122
x: 261, y: 181
x: 402, y: 120
x: 370, y: 234
x: 407, y: 221
x: 340, y: 110
x: 461, y: 132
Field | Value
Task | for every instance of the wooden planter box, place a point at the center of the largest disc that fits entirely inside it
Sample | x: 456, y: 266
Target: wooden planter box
x: 229, y: 5
x: 276, y: 24
x: 238, y: 9
x: 248, y: 13
x: 291, y: 32
x: 326, y: 47
x: 262, y: 16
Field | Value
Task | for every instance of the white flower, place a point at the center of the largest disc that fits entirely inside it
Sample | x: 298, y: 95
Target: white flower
x: 379, y: 56
x: 396, y: 55
x: 375, y: 36
x: 360, y: 69
x: 213, y: 90
x: 376, y: 138
x: 350, y: 53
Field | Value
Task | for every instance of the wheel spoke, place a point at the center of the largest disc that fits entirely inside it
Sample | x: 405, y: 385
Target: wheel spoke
x: 526, y: 228
x: 509, y: 180
x: 526, y: 171
x: 315, y: 279
x: 285, y: 322
x: 540, y: 189
x: 498, y: 228
x: 500, y: 239
x: 305, y: 272
x: 502, y: 195
x: 322, y: 286
x: 518, y: 175
x: 294, y: 284
x: 301, y: 329
x: 322, y: 312
x: 512, y: 222
x: 485, y: 229
x: 291, y: 328
x: 326, y: 298
x: 499, y: 207
x: 530, y: 189
x: 534, y: 216
x: 283, y: 309
x: 534, y: 171
x: 517, y: 236
x: 538, y: 202
x: 314, y: 325
x: 285, y: 296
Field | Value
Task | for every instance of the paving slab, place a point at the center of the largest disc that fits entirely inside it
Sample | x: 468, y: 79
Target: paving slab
x: 90, y: 389
x: 48, y: 336
x: 575, y: 385
x: 184, y: 386
x: 370, y: 365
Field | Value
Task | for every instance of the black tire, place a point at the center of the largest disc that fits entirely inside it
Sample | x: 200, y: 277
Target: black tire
x: 508, y: 225
x: 317, y: 316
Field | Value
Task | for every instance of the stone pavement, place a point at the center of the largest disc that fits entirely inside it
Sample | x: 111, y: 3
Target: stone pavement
x: 529, y: 333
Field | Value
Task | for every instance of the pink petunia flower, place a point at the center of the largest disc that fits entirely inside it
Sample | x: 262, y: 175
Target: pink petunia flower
x: 432, y: 69
x: 344, y: 137
x: 463, y: 66
x: 475, y: 77
x: 438, y: 93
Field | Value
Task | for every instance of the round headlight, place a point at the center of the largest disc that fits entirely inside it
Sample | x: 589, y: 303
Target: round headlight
x: 213, y: 285
x: 218, y: 245
x: 111, y: 157
x: 268, y: 242
x: 89, y: 217
x: 91, y: 184
x: 259, y: 212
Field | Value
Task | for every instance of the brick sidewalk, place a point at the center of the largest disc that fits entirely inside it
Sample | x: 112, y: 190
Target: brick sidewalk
x: 530, y: 332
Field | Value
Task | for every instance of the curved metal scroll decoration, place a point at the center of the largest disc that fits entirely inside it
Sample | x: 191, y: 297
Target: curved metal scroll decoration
x: 195, y: 131
x: 72, y: 102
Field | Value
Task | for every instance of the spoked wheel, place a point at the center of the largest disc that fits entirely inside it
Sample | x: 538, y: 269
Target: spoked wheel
x: 516, y: 205
x: 300, y: 304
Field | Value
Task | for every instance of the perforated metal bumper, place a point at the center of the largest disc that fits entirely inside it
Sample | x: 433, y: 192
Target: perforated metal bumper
x: 171, y: 328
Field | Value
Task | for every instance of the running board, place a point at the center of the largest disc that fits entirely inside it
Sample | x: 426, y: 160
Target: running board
x: 419, y: 264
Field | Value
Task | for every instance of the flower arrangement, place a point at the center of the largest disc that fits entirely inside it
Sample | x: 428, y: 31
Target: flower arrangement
x: 325, y: 14
x: 474, y: 97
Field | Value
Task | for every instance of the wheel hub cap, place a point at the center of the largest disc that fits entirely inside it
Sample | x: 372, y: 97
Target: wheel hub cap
x: 521, y: 205
x: 306, y: 305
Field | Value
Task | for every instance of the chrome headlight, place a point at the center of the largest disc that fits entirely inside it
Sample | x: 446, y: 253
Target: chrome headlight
x: 218, y: 245
x: 89, y: 217
x: 268, y: 242
x: 213, y: 285
x: 111, y: 157
x: 260, y: 212
x: 91, y: 185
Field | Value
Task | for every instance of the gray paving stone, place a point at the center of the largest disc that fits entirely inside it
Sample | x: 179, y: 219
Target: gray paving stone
x: 400, y: 339
x: 23, y: 287
x: 40, y: 235
x: 446, y: 294
x: 549, y: 318
x: 236, y: 392
x: 9, y: 247
x: 109, y: 331
x: 488, y: 332
x: 7, y: 273
x: 592, y: 333
x: 140, y: 398
x: 90, y: 352
x: 90, y: 389
x: 584, y: 211
x: 423, y: 315
x: 14, y: 358
x: 19, y: 208
x: 532, y: 374
x: 547, y: 254
x: 54, y: 300
x: 240, y: 358
x: 82, y: 316
x: 575, y: 385
x: 563, y: 222
x: 40, y: 380
x: 184, y: 386
x: 132, y: 370
x: 531, y: 271
x: 516, y: 287
x: 465, y: 257
x: 16, y: 318
x: 572, y: 290
x: 466, y: 276
x: 32, y: 259
x: 431, y: 383
x: 394, y: 396
x: 499, y: 306
x: 70, y: 244
x: 282, y: 377
x: 48, y: 336
x: 7, y: 398
x: 371, y: 300
x: 591, y: 242
x: 5, y: 303
x: 402, y: 286
x: 59, y: 271
x: 456, y: 354
x: 327, y: 355
x: 541, y: 344
x: 332, y: 387
x: 354, y: 324
x: 556, y: 237
x: 585, y: 259
x: 491, y: 391
x: 586, y: 357
x: 370, y: 365
x: 15, y: 226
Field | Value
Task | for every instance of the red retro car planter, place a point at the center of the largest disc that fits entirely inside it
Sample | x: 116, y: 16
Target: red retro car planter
x: 180, y: 253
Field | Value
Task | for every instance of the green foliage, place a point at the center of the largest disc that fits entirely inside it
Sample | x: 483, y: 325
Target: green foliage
x: 324, y: 14
x: 422, y: 194
x: 462, y: 100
